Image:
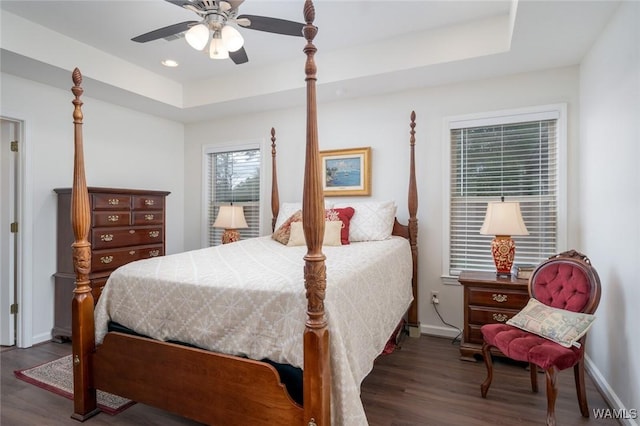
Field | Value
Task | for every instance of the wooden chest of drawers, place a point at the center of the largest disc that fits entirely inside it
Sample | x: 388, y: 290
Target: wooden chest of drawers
x: 126, y: 225
x: 487, y: 299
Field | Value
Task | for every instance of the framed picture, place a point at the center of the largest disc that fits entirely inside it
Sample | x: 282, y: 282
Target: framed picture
x: 346, y: 172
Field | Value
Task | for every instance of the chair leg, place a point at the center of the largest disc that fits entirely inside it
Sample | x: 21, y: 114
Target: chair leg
x: 486, y: 354
x: 533, y: 370
x: 578, y: 373
x: 552, y: 393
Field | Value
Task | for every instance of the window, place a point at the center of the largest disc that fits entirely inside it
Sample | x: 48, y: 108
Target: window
x: 233, y: 177
x: 516, y: 155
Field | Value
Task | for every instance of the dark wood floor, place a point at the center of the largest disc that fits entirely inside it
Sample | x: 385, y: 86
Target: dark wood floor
x: 423, y: 383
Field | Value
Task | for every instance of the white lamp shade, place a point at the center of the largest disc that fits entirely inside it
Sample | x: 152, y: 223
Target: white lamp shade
x: 230, y: 217
x: 503, y: 218
x: 232, y: 38
x: 197, y: 36
x: 217, y: 49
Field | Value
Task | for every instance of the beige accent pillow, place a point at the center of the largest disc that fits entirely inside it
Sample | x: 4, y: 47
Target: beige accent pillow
x: 558, y: 325
x: 332, y: 231
x: 281, y: 234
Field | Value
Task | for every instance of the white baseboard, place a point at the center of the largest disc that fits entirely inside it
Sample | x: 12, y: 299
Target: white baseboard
x: 610, y: 396
x: 40, y: 338
x: 439, y: 331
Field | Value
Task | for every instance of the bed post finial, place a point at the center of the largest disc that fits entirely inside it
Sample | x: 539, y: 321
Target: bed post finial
x: 412, y: 316
x: 275, y: 197
x: 82, y: 329
x: 316, y: 372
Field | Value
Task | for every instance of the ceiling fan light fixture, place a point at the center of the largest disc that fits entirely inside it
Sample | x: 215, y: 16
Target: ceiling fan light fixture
x: 217, y: 48
x: 197, y: 36
x: 232, y: 38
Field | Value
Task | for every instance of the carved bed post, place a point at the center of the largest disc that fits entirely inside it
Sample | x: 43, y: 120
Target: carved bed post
x: 414, y: 324
x: 275, y: 198
x: 317, y: 378
x: 83, y: 334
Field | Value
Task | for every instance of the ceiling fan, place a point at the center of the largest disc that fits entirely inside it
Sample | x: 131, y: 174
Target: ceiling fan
x: 214, y: 28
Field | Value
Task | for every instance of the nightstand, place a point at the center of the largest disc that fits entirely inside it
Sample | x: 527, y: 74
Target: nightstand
x: 488, y: 299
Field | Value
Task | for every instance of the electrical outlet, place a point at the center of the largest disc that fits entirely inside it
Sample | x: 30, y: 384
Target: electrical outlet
x: 435, y: 298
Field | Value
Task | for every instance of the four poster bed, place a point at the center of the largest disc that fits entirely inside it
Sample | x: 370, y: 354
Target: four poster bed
x: 279, y: 323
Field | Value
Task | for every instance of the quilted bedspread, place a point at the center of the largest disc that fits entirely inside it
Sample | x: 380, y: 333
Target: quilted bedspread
x: 248, y: 299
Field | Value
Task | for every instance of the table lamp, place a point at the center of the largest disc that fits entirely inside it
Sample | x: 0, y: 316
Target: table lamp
x: 503, y: 219
x: 231, y: 218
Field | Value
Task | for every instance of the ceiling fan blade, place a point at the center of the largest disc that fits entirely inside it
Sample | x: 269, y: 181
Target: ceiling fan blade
x: 273, y: 25
x: 164, y: 32
x: 239, y: 56
x: 235, y: 3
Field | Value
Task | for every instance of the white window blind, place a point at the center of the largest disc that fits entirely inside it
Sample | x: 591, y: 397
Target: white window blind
x: 233, y: 177
x: 517, y: 160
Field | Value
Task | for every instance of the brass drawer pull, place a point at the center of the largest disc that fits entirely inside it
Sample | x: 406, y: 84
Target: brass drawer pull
x: 106, y: 237
x: 132, y: 231
x: 148, y: 217
x: 154, y: 253
x: 499, y: 297
x: 499, y: 317
x: 113, y: 201
x: 106, y: 259
x: 132, y: 252
x: 113, y: 218
x: 154, y: 234
x: 149, y: 202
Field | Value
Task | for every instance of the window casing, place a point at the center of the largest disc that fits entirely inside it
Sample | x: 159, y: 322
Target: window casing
x: 516, y: 154
x: 233, y: 176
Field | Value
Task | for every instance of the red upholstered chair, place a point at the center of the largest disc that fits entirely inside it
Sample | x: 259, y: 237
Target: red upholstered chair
x: 566, y: 281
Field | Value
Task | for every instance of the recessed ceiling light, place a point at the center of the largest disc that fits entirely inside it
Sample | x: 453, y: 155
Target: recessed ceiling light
x: 169, y: 63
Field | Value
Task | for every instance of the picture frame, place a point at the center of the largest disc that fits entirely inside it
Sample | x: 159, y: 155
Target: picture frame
x: 346, y: 172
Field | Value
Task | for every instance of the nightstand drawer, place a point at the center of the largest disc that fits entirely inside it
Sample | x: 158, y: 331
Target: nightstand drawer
x: 481, y: 315
x: 503, y: 297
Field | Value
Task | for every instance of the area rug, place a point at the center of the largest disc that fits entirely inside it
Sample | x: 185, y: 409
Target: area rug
x: 57, y: 376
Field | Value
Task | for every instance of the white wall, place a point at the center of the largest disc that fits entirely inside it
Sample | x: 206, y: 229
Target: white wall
x: 123, y: 149
x: 382, y: 122
x: 609, y: 199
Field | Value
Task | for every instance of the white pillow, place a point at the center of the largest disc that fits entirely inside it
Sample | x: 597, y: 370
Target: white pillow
x: 332, y: 231
x: 372, y: 221
x: 287, y: 209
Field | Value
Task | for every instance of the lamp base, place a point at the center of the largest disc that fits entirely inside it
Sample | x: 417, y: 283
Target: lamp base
x: 230, y: 236
x: 503, y: 249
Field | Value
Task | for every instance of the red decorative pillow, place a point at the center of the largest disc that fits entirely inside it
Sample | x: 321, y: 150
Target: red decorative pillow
x: 344, y: 215
x: 283, y: 233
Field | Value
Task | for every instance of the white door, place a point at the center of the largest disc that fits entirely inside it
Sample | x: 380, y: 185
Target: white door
x: 8, y: 238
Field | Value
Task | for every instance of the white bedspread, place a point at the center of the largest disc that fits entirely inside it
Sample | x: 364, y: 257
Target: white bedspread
x: 248, y: 298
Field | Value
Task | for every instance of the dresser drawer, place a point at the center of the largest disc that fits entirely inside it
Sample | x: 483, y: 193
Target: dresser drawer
x: 486, y: 315
x: 148, y: 217
x: 147, y: 202
x: 113, y: 218
x: 97, y: 285
x: 102, y: 238
x: 111, y: 201
x: 503, y: 298
x: 103, y: 260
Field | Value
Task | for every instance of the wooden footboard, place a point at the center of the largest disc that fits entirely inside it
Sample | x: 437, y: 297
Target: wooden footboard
x: 201, y: 385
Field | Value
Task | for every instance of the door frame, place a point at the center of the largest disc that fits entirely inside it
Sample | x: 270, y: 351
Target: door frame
x: 24, y: 237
